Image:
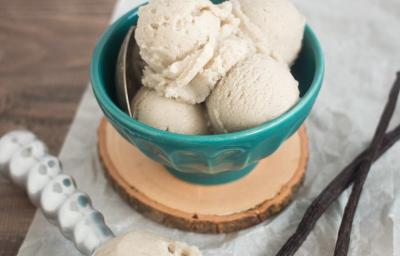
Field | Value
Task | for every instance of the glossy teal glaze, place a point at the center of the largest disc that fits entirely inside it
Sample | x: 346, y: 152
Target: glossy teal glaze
x: 206, y: 159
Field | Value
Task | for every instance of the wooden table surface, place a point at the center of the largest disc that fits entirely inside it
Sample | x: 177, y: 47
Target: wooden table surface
x: 45, y: 49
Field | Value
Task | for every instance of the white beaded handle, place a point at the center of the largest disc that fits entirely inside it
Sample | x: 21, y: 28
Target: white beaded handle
x: 25, y: 159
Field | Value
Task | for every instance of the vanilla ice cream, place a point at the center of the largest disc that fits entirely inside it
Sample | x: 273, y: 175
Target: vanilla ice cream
x: 229, y: 52
x: 275, y: 26
x: 177, y: 38
x: 255, y: 91
x: 167, y: 114
x: 145, y: 244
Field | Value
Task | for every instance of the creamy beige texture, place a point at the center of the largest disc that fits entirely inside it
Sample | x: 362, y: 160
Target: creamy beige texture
x: 276, y: 26
x: 255, y: 91
x: 190, y: 46
x: 229, y: 52
x: 177, y: 38
x: 141, y: 243
x: 167, y: 114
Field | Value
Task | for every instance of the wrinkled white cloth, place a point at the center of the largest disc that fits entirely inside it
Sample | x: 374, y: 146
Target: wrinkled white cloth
x: 362, y: 49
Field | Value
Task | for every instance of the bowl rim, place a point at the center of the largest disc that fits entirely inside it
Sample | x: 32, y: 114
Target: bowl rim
x: 108, y: 104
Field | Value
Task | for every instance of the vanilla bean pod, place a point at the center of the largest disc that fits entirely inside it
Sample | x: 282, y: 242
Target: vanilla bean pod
x: 330, y: 194
x: 343, y: 241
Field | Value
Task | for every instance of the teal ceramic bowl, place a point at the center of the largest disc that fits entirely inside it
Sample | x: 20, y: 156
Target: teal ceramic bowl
x: 210, y: 159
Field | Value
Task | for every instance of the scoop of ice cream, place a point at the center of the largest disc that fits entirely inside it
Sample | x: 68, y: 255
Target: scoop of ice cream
x: 171, y: 81
x: 177, y: 38
x: 167, y: 114
x: 145, y: 244
x: 229, y: 52
x: 276, y: 26
x: 255, y: 91
x: 170, y: 30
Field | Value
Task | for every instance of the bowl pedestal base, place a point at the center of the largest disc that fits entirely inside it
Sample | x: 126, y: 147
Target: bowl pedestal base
x: 162, y: 197
x: 214, y: 179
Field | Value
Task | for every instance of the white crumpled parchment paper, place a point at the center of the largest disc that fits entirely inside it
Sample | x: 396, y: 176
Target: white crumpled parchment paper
x: 361, y: 41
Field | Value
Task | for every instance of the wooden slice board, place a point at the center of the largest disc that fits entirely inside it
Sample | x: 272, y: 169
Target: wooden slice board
x: 162, y: 197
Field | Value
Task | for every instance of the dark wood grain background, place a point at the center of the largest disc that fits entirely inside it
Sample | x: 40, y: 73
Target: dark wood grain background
x: 45, y: 49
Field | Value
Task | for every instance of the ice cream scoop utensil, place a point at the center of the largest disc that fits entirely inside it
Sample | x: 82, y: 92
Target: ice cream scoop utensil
x: 25, y: 160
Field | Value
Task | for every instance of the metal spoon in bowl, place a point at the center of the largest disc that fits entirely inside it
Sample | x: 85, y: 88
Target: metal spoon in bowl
x: 128, y: 71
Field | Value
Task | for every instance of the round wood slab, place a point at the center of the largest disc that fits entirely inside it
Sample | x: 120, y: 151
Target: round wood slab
x: 162, y: 197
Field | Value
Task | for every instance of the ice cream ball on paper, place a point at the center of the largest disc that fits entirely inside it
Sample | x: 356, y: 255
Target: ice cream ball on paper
x: 141, y: 243
x: 255, y: 91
